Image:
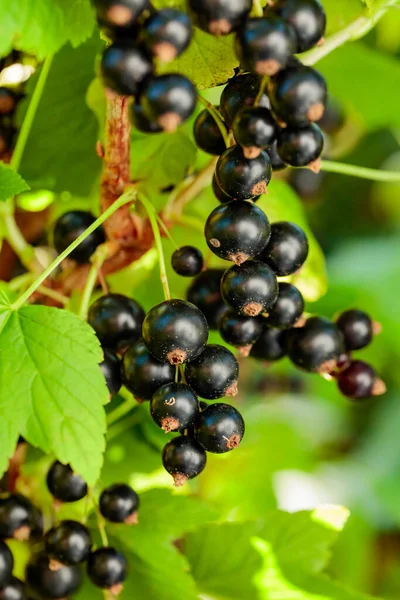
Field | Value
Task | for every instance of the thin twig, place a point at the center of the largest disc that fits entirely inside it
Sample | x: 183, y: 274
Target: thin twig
x: 361, y: 172
x: 217, y: 118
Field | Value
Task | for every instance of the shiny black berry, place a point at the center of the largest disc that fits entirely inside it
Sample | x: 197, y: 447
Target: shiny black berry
x: 250, y: 289
x: 119, y: 13
x: 271, y: 345
x: 288, y: 308
x: 237, y: 230
x: 174, y: 406
x: 205, y: 293
x: 8, y: 101
x: 143, y: 374
x: 302, y: 146
x: 124, y: 68
x: 117, y: 320
x: 184, y: 459
x: 16, y: 517
x: 169, y: 100
x: 175, y: 331
x: 111, y: 369
x: 277, y: 163
x: 357, y: 328
x: 68, y: 544
x: 220, y: 17
x: 107, y: 569
x: 316, y: 346
x: 241, y: 91
x: 240, y: 331
x: 308, y: 185
x: 254, y: 129
x: 119, y: 503
x: 13, y: 590
x: 287, y: 248
x: 141, y: 122
x: 219, y: 194
x: 49, y: 583
x: 264, y: 46
x: 167, y: 33
x: 219, y: 428
x: 333, y: 118
x: 64, y: 484
x: 307, y: 18
x: 214, y: 374
x: 6, y: 563
x: 240, y: 177
x: 298, y: 95
x: 207, y: 134
x: 69, y: 227
x: 360, y: 381
x: 187, y: 261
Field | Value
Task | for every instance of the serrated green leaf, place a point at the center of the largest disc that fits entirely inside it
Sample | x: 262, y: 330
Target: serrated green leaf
x: 60, y: 152
x: 42, y: 27
x: 52, y: 388
x: 11, y: 182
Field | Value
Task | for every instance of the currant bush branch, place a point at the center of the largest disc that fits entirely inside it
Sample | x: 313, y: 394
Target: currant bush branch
x: 98, y: 259
x: 361, y: 172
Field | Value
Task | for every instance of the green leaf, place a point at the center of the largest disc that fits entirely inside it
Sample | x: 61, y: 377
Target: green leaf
x: 340, y: 13
x: 11, y: 182
x: 42, y: 27
x: 60, y: 152
x: 52, y: 387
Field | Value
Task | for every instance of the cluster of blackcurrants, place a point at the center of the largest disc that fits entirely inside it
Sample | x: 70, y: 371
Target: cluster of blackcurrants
x: 54, y: 569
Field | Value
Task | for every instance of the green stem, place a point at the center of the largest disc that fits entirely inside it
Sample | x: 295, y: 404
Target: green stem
x: 100, y: 520
x: 166, y: 231
x: 157, y: 238
x: 18, y: 243
x: 217, y: 118
x: 30, y: 114
x: 123, y: 409
x: 362, y: 172
x: 98, y: 259
x: 53, y: 294
x: 122, y: 426
x: 263, y: 83
x: 124, y: 199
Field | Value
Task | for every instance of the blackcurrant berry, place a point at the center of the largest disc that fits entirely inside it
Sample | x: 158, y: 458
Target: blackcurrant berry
x: 167, y: 33
x: 6, y: 563
x: 205, y: 293
x: 169, y: 100
x: 8, y: 101
x: 308, y: 19
x: 219, y: 428
x: 264, y: 46
x: 125, y: 67
x: 69, y: 227
x: 187, y: 261
x: 64, y: 484
x: 117, y: 320
x: 214, y: 374
x: 357, y: 329
x: 240, y: 92
x: 68, y: 544
x: 277, y: 163
x: 175, y: 331
x: 107, y: 569
x: 316, y: 346
x: 111, y: 369
x: 119, y: 13
x: 141, y: 122
x: 142, y: 373
x: 333, y: 118
x: 16, y: 517
x: 119, y: 503
x: 240, y: 331
x: 288, y: 308
x: 298, y: 95
x: 47, y: 583
x: 287, y: 248
x: 241, y: 177
x: 207, y: 134
x: 184, y: 459
x: 308, y: 185
x: 271, y: 345
x: 254, y: 129
x: 360, y: 381
x: 237, y: 230
x: 250, y: 289
x: 219, y: 194
x: 174, y: 406
x: 13, y: 590
x: 301, y: 147
x: 220, y: 17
